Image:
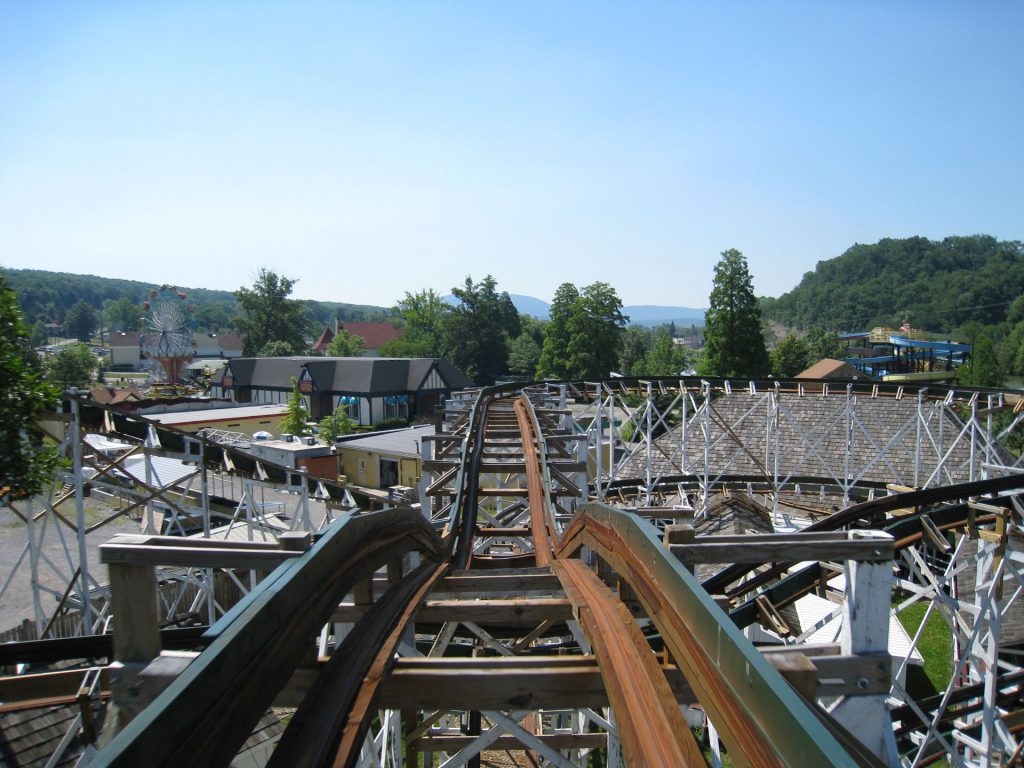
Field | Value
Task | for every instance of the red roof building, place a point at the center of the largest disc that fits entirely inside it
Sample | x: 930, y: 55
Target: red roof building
x: 374, y: 336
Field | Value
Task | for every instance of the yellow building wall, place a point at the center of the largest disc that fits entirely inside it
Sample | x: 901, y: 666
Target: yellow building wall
x: 360, y: 467
x: 363, y: 467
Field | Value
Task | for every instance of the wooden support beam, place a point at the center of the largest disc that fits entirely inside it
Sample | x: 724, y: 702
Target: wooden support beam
x: 194, y: 557
x: 786, y: 547
x: 46, y: 689
x: 491, y: 531
x: 504, y: 612
x: 136, y: 623
x: 506, y: 683
x: 499, y: 584
x: 452, y: 743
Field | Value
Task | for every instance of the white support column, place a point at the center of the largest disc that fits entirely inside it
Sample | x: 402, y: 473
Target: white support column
x: 989, y: 437
x: 208, y: 577
x: 974, y: 437
x: 83, y: 551
x: 707, y: 443
x: 648, y: 429
x: 685, y: 394
x: 33, y: 559
x: 848, y: 444
x: 612, y: 432
x: 774, y: 432
x: 152, y: 441
x: 917, y: 440
x: 985, y: 651
x: 866, y: 631
x: 426, y: 502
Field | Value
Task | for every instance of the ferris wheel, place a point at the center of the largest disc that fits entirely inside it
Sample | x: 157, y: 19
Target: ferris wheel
x: 167, y: 336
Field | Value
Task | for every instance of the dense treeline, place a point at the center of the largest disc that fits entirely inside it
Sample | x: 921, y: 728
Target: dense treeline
x: 937, y: 286
x: 48, y: 297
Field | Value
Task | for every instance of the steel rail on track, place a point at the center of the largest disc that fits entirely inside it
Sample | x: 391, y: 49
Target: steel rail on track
x: 762, y: 720
x: 651, y: 724
x: 331, y: 722
x: 538, y: 496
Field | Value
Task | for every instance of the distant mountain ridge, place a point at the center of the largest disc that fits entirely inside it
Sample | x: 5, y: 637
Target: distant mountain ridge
x: 638, y: 314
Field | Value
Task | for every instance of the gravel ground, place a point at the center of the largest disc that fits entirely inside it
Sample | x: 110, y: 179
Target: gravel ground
x: 16, y: 602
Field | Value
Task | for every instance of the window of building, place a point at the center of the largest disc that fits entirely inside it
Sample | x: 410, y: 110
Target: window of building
x: 396, y: 407
x: 352, y: 407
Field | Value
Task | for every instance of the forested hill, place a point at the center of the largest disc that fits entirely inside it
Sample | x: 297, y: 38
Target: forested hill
x: 46, y: 297
x: 937, y: 286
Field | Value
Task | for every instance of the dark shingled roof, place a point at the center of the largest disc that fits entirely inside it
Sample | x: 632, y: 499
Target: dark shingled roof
x: 28, y: 737
x: 267, y: 371
x: 811, y: 431
x: 363, y: 375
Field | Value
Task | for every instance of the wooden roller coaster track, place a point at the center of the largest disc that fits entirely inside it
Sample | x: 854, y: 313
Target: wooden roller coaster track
x: 502, y: 608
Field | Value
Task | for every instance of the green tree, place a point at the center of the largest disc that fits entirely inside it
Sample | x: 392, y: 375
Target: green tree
x: 790, y: 356
x: 663, y: 359
x: 295, y: 420
x: 478, y: 329
x: 25, y: 465
x: 983, y: 369
x: 337, y: 424
x: 80, y: 321
x: 123, y: 314
x: 345, y: 344
x: 277, y: 349
x: 554, y: 356
x: 73, y: 366
x: 213, y: 316
x: 595, y: 332
x: 940, y: 284
x: 822, y: 344
x: 584, y: 337
x: 422, y: 316
x: 734, y: 345
x: 523, y: 355
x: 267, y: 314
x: 636, y: 343
x: 38, y: 334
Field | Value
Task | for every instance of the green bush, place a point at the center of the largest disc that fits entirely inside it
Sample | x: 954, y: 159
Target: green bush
x: 393, y: 423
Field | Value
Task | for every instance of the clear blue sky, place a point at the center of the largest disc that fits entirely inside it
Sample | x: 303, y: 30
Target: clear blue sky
x: 370, y: 148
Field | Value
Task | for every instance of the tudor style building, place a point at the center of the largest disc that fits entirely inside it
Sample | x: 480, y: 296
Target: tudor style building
x: 372, y: 388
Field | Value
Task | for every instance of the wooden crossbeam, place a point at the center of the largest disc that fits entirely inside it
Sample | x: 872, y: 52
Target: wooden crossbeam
x: 506, y: 612
x: 784, y: 547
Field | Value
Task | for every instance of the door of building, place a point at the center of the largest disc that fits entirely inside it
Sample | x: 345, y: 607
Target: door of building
x: 388, y: 473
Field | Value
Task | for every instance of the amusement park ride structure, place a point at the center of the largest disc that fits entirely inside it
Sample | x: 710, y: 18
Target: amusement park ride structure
x: 542, y: 598
x: 167, y: 335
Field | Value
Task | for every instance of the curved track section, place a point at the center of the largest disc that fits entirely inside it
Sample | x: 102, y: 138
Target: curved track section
x: 207, y: 712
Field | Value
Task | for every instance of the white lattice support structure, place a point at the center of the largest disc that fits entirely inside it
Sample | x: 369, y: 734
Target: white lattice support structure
x: 849, y: 436
x: 865, y: 631
x: 56, y: 550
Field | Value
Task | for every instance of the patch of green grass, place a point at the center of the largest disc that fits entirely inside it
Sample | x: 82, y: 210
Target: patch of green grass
x: 935, y: 644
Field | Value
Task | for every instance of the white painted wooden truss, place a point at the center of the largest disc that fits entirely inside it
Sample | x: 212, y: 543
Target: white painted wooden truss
x: 923, y: 446
x: 58, y: 521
